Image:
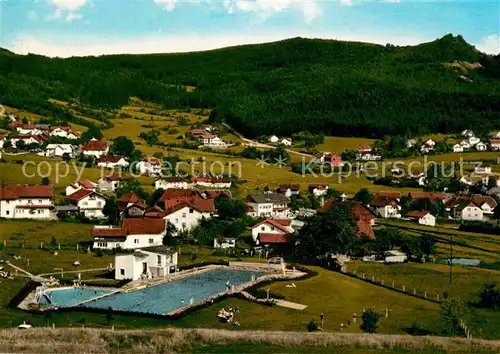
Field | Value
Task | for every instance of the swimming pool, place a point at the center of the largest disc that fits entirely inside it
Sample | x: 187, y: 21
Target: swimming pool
x: 68, y: 297
x: 163, y: 298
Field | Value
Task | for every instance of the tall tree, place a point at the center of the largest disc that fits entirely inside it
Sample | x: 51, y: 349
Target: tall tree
x: 364, y: 196
x: 122, y: 146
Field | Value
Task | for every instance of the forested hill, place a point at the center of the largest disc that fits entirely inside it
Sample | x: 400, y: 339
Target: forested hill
x: 339, y: 88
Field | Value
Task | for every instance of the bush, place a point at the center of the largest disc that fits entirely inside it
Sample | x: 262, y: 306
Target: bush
x: 312, y: 326
x: 416, y: 328
x: 370, y: 321
x: 489, y: 296
x: 98, y: 252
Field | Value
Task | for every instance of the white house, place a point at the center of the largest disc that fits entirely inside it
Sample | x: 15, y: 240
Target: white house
x: 27, y: 139
x: 110, y: 183
x: 483, y: 170
x: 150, y: 165
x: 27, y: 202
x: 474, y: 140
x: 212, y: 141
x: 430, y: 142
x: 422, y: 217
x: 468, y: 210
x: 268, y: 205
x: 286, y: 141
x: 226, y: 243
x: 394, y: 256
x: 272, y: 227
x: 60, y: 150
x: 273, y: 139
x: 465, y: 144
x: 172, y: 182
x: 146, y: 263
x: 211, y: 182
x: 112, y: 162
x: 95, y: 148
x: 90, y: 203
x: 29, y: 130
x: 411, y: 143
x: 187, y: 214
x: 467, y: 133
x: 82, y: 184
x: 425, y: 149
x: 495, y: 144
x: 63, y: 132
x: 134, y: 233
x: 481, y: 147
x: 386, y: 207
x: 458, y: 148
x: 318, y: 189
x: 2, y: 141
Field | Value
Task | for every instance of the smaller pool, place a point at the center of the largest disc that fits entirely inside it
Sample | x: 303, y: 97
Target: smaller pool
x: 464, y: 261
x: 67, y: 297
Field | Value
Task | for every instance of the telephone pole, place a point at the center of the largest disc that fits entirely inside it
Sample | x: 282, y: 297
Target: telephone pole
x: 451, y: 261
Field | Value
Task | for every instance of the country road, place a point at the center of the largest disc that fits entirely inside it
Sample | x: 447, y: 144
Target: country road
x: 250, y: 142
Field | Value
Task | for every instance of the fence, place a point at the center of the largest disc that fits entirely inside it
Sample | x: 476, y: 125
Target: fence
x: 391, y: 285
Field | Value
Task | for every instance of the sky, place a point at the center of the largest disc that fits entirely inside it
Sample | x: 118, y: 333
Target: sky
x: 94, y: 27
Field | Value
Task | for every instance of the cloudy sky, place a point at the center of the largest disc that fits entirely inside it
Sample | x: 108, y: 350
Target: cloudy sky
x: 93, y: 27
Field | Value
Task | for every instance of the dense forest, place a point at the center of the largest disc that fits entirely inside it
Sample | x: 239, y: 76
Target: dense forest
x: 333, y: 87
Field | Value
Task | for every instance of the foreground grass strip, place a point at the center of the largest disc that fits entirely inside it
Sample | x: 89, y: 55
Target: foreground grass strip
x: 71, y: 340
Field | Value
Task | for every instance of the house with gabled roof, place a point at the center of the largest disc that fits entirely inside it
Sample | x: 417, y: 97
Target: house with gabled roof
x: 459, y: 206
x: 81, y: 184
x: 130, y: 205
x: 95, y: 148
x: 422, y: 217
x: 272, y: 231
x: 318, y: 189
x: 211, y: 181
x: 110, y: 183
x: 386, y: 207
x: 268, y: 205
x: 60, y: 150
x: 134, y: 233
x: 146, y: 263
x: 187, y: 214
x: 151, y: 166
x: 172, y: 182
x: 27, y: 202
x: 89, y: 203
x: 108, y: 161
x: 288, y: 189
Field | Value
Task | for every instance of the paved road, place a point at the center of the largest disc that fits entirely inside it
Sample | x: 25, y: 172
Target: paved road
x: 250, y: 142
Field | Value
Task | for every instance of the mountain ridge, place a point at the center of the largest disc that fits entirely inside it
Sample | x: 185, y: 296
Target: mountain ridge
x: 329, y: 86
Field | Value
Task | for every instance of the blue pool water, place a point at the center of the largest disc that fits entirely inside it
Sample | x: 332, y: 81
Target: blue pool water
x: 71, y: 297
x: 163, y: 298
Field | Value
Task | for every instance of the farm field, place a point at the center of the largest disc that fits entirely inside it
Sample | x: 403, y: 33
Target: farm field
x: 338, y: 145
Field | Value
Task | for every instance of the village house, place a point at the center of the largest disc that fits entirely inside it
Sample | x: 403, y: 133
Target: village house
x: 268, y: 205
x: 212, y: 141
x: 89, y: 203
x: 473, y: 140
x: 110, y: 183
x: 82, y: 184
x: 390, y: 194
x: 288, y: 189
x: 422, y: 217
x: 425, y: 148
x: 272, y: 231
x: 225, y: 242
x: 146, y: 263
x: 172, y: 182
x: 464, y: 207
x: 483, y: 170
x: 473, y: 179
x: 60, y: 150
x: 28, y: 129
x: 411, y: 143
x: 318, y: 189
x: 150, y: 165
x: 385, y: 207
x: 286, y: 142
x: 481, y: 147
x: 112, y: 162
x: 2, y: 141
x: 134, y: 233
x: 329, y: 158
x: 465, y: 144
x: 364, y: 217
x: 211, y: 182
x: 273, y: 139
x: 197, y: 132
x: 14, y: 124
x: 458, y: 148
x: 433, y: 198
x: 187, y: 214
x: 467, y: 133
x: 95, y: 148
x: 63, y: 131
x: 27, y: 202
x: 27, y: 139
x: 497, y: 135
x: 495, y: 144
x: 130, y: 205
